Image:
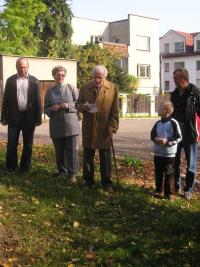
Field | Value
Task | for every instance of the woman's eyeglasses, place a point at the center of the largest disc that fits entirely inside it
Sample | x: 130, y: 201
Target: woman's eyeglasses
x: 60, y: 75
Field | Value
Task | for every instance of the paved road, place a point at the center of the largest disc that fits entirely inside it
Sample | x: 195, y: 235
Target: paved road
x: 132, y: 137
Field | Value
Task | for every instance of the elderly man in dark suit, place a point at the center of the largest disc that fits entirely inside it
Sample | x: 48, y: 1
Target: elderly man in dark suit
x: 21, y: 111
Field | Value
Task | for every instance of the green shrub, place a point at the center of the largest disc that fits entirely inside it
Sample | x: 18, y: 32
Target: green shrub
x: 131, y: 161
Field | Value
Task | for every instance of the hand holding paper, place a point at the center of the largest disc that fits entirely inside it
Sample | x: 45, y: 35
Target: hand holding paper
x: 92, y: 108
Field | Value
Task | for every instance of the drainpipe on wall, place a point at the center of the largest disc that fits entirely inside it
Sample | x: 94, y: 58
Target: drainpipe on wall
x: 152, y: 106
x: 161, y: 75
x: 124, y: 104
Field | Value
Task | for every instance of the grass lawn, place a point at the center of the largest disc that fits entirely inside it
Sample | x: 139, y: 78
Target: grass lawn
x: 46, y: 222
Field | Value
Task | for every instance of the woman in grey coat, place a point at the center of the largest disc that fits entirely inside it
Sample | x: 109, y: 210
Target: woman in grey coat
x: 63, y: 124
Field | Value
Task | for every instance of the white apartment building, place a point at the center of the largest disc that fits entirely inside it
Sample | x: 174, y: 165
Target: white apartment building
x: 179, y: 49
x: 135, y: 38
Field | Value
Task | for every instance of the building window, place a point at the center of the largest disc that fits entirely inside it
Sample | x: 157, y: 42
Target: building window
x: 198, y: 45
x: 143, y: 43
x: 167, y: 85
x: 198, y: 64
x: 166, y: 67
x: 179, y: 65
x: 179, y: 47
x: 123, y: 63
x: 116, y: 39
x: 144, y: 71
x: 166, y: 48
x: 92, y: 38
x: 198, y: 83
x: 96, y: 39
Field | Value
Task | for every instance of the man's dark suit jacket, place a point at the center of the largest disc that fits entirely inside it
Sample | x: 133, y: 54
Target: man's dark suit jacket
x: 10, y: 112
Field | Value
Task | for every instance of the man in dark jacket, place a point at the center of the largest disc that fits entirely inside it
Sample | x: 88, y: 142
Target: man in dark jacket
x: 21, y: 111
x: 186, y: 101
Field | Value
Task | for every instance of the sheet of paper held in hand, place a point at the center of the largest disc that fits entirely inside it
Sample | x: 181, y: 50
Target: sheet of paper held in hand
x: 93, y: 107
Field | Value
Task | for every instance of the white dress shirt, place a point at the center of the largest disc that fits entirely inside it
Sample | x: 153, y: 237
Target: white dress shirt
x: 22, y: 92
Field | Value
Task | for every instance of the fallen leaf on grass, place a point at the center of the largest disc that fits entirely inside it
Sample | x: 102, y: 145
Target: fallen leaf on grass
x: 163, y: 251
x: 133, y: 243
x: 27, y: 182
x: 48, y: 224
x: 35, y: 200
x: 117, y: 225
x: 90, y: 255
x: 76, y: 224
x: 61, y: 213
x: 145, y: 255
x: 98, y: 203
x: 11, y: 260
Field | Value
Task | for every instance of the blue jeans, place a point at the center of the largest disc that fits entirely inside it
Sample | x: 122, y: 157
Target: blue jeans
x: 191, y: 158
x: 66, y: 149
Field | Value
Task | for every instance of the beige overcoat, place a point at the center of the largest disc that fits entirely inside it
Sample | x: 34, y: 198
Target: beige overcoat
x: 95, y: 125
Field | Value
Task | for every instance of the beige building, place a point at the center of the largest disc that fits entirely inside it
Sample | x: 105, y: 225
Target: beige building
x: 39, y: 67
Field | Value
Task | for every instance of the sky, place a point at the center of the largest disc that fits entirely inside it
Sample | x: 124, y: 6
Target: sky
x: 177, y: 15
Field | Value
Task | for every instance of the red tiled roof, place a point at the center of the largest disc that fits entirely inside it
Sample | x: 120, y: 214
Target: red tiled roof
x: 194, y: 33
x: 189, y: 38
x: 117, y: 48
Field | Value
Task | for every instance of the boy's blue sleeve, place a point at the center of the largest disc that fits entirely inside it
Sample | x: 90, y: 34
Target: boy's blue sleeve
x: 153, y: 132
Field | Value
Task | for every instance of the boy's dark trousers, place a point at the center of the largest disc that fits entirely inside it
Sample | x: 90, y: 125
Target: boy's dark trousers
x: 164, y: 168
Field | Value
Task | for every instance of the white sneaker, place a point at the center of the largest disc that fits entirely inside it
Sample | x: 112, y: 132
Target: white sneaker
x: 178, y: 191
x: 72, y: 180
x: 188, y: 195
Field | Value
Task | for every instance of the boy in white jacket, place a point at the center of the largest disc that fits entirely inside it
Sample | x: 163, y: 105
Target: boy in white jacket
x: 166, y: 134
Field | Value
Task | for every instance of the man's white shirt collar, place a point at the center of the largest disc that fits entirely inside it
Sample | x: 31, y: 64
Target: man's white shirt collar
x: 19, y: 77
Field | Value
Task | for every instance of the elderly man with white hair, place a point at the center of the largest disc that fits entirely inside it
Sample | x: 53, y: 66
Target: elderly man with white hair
x: 98, y: 101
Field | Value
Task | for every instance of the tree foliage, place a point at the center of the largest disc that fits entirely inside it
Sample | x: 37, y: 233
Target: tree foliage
x: 54, y: 28
x: 35, y: 27
x: 43, y: 27
x: 90, y: 55
x: 16, y: 23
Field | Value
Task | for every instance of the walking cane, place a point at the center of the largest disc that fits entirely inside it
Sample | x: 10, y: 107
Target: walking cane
x: 115, y: 163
